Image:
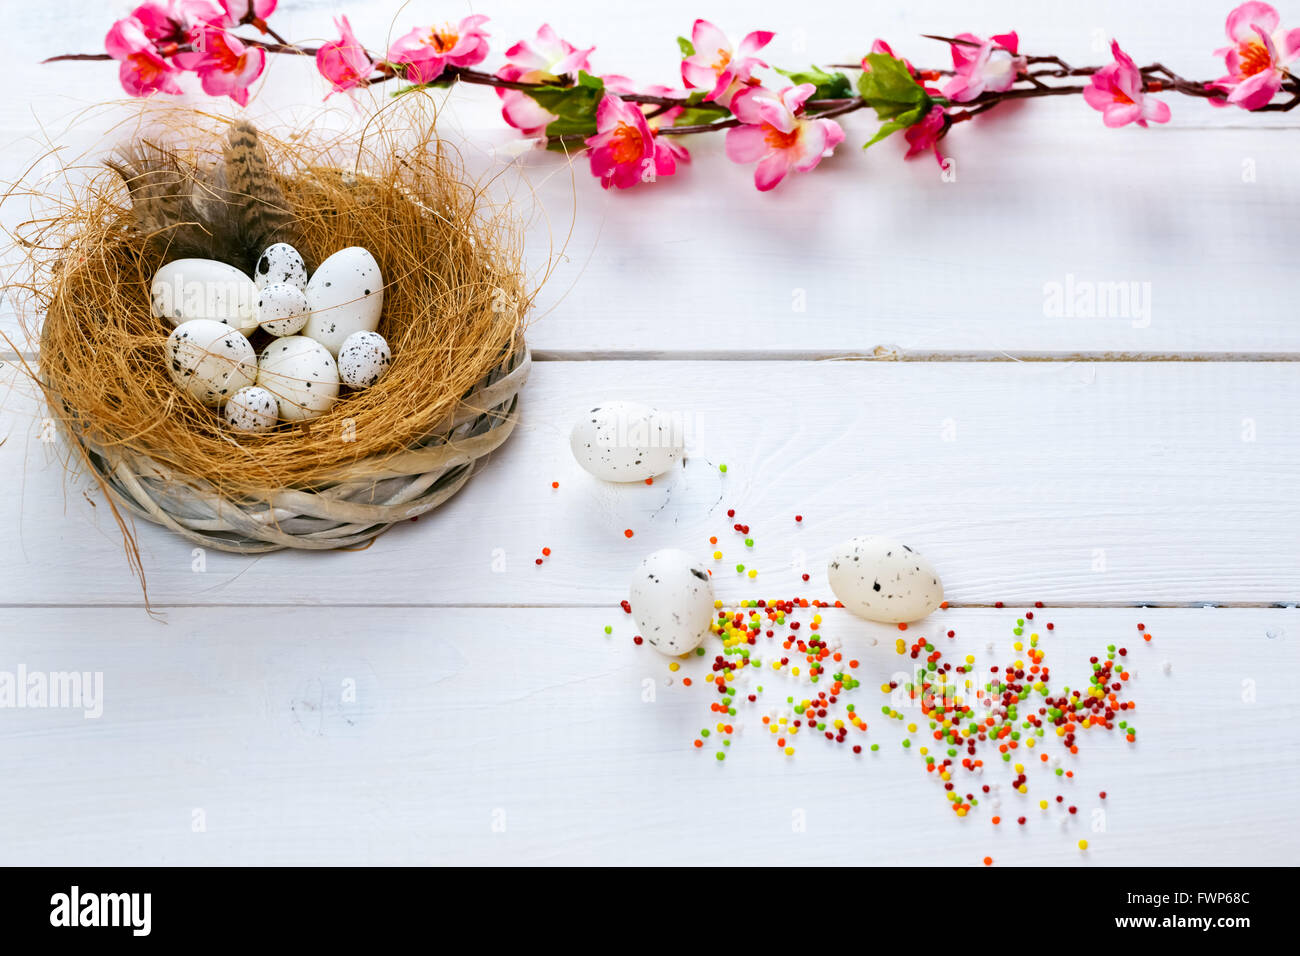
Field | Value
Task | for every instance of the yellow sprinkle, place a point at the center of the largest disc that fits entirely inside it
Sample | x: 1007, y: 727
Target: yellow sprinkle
x: 794, y: 671
x: 911, y: 728
x: 1022, y: 788
x: 1029, y: 742
x: 789, y: 751
x: 961, y: 811
x: 1020, y: 768
x: 924, y: 751
x: 753, y: 573
x: 1042, y: 804
x: 717, y: 555
x: 1083, y: 844
x: 884, y: 688
x: 1018, y: 646
x: 717, y: 603
x: 674, y: 666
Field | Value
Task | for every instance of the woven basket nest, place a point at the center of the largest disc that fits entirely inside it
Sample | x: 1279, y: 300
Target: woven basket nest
x: 455, y: 297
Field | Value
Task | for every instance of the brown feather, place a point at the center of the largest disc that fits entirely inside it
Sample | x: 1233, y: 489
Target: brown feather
x: 259, y: 213
x: 230, y: 213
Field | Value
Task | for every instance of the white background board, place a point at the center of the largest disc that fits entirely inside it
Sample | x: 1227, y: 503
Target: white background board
x: 1095, y: 464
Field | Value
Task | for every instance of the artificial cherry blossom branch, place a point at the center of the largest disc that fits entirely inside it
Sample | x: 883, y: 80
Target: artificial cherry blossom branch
x: 631, y: 135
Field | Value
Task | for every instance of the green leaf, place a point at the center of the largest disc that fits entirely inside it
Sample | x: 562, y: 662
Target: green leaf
x: 830, y: 86
x: 902, y: 121
x: 890, y: 89
x: 697, y: 117
x: 686, y: 46
x: 574, y: 106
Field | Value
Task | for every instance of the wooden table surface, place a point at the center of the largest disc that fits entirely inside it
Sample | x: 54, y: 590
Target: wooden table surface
x: 867, y: 346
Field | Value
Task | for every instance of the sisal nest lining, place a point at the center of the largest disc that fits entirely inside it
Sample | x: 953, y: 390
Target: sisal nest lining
x: 455, y: 296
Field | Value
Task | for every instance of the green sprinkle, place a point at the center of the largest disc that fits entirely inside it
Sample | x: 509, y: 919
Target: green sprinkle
x: 704, y: 732
x: 739, y: 568
x: 721, y: 755
x: 749, y: 542
x: 875, y: 747
x: 906, y: 742
x: 608, y: 629
x: 722, y: 468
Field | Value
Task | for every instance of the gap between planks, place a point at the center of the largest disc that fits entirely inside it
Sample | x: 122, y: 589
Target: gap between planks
x: 605, y: 605
x: 881, y: 353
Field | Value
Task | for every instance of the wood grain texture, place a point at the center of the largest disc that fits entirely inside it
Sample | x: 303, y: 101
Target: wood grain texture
x: 869, y: 252
x: 1081, y: 483
x: 536, y: 721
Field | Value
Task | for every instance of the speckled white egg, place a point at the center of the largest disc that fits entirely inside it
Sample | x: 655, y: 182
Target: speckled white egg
x: 280, y: 263
x: 187, y: 289
x: 282, y: 309
x: 672, y: 601
x: 363, y: 359
x: 210, y: 360
x: 345, y: 295
x: 627, y: 441
x: 884, y: 580
x: 301, y: 374
x: 252, y: 409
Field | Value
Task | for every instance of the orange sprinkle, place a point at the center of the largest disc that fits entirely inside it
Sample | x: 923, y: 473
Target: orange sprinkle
x: 628, y: 533
x: 649, y: 481
x: 699, y: 743
x: 988, y: 861
x: 546, y: 551
x: 686, y: 681
x: 997, y: 820
x: 555, y: 484
x: 902, y: 627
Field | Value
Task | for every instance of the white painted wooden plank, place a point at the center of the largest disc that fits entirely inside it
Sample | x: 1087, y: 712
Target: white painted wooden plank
x: 1069, y: 483
x: 525, y: 736
x: 876, y: 252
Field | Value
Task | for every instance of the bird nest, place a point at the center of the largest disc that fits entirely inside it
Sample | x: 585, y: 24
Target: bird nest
x: 455, y: 297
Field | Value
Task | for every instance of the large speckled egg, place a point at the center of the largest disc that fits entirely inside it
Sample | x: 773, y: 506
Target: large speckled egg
x: 252, y: 409
x: 363, y: 359
x: 672, y: 601
x: 884, y: 580
x: 301, y: 374
x: 281, y: 263
x: 345, y: 295
x: 627, y: 441
x: 188, y: 289
x: 210, y: 360
x: 282, y: 309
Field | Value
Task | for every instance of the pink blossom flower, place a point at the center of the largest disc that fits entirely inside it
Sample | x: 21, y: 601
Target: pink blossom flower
x: 344, y: 62
x: 980, y: 65
x: 777, y: 135
x: 624, y: 152
x: 234, y: 13
x: 716, y: 67
x: 225, y: 66
x: 426, y: 51
x: 545, y: 60
x: 1258, y: 56
x: 668, y: 149
x: 142, y: 71
x: 1119, y: 92
x: 167, y: 22
x: 925, y: 135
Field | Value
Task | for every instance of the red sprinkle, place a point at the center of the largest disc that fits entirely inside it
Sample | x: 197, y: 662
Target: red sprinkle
x: 627, y: 533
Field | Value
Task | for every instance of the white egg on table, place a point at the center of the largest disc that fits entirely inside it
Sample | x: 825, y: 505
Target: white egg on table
x: 345, y: 295
x: 301, y: 374
x: 627, y: 441
x: 282, y: 309
x: 280, y: 263
x: 672, y: 601
x: 187, y: 289
x: 252, y: 409
x: 363, y: 359
x: 884, y: 580
x: 210, y: 360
